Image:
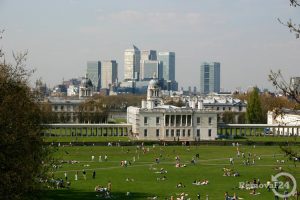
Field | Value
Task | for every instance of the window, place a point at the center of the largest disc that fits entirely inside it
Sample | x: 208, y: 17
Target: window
x: 178, y: 132
x: 167, y: 133
x: 189, y: 132
x: 198, y: 132
x: 145, y: 132
x: 172, y: 132
x: 157, y: 132
x: 209, y: 132
x: 198, y: 120
x: 157, y: 120
x: 183, y: 132
x: 145, y: 120
x: 209, y: 120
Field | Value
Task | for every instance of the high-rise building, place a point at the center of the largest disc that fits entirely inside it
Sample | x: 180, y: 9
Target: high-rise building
x: 149, y: 68
x: 132, y: 59
x: 148, y: 55
x: 210, y: 77
x: 168, y: 59
x: 109, y: 73
x: 93, y: 73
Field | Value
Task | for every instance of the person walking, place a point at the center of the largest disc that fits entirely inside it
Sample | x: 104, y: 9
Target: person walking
x: 94, y: 174
x: 66, y: 176
x: 76, y: 176
x: 84, y: 174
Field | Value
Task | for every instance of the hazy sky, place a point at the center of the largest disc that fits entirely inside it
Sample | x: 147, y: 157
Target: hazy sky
x: 243, y: 35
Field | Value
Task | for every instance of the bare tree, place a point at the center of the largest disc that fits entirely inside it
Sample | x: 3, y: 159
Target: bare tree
x: 294, y: 28
x: 287, y: 87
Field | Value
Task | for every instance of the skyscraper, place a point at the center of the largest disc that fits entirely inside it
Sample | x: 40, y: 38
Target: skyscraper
x: 132, y: 63
x: 148, y: 55
x: 149, y: 68
x: 168, y: 59
x: 93, y: 73
x: 109, y: 73
x: 210, y: 77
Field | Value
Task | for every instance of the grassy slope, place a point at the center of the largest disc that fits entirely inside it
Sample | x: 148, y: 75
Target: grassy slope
x: 212, y: 160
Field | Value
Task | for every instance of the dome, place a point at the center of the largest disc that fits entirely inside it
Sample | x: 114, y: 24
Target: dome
x: 85, y: 82
x: 153, y: 83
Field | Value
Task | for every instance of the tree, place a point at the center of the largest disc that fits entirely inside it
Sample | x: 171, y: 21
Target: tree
x: 22, y: 156
x: 294, y: 28
x: 254, y: 110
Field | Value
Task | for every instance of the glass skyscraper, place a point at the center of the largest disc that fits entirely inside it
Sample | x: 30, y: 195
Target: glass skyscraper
x: 210, y: 77
x: 168, y: 60
x: 149, y: 68
x: 93, y: 73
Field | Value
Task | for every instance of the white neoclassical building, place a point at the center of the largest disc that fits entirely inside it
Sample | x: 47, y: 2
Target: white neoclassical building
x: 155, y: 121
x: 286, y: 118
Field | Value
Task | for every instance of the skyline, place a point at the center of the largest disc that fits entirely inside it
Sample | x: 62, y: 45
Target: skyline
x: 61, y: 36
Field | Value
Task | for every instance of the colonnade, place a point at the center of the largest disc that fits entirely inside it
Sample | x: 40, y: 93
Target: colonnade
x: 87, y: 130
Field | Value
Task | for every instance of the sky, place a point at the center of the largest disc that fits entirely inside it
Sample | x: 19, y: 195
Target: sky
x: 243, y: 35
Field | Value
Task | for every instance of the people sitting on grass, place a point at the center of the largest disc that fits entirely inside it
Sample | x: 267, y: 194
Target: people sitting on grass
x: 161, y: 171
x: 182, y: 196
x: 200, y: 182
x: 180, y: 185
x: 180, y: 165
x: 230, y: 172
x: 129, y: 179
x: 102, y: 191
x: 234, y: 197
x: 161, y: 178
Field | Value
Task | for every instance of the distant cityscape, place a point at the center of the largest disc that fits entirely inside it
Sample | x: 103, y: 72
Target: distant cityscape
x: 140, y: 66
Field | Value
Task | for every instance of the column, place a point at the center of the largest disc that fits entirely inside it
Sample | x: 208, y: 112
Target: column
x: 175, y: 120
x: 180, y: 120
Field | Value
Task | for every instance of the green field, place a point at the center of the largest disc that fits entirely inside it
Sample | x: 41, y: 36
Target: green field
x: 143, y: 173
x: 126, y: 139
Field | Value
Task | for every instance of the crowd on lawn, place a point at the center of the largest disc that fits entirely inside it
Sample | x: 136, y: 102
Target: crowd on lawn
x: 247, y: 158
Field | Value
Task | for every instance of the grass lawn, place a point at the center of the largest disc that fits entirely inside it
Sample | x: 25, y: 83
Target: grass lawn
x: 143, y: 173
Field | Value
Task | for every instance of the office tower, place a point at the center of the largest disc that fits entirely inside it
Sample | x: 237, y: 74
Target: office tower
x: 149, y: 68
x: 132, y: 63
x: 195, y: 90
x: 145, y: 56
x: 93, y: 73
x: 109, y: 73
x: 168, y: 59
x: 148, y: 55
x: 210, y: 77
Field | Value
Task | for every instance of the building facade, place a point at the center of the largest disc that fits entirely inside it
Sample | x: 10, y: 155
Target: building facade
x: 109, y: 73
x: 286, y: 117
x: 132, y: 59
x: 210, y: 77
x: 155, y: 121
x: 93, y: 73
